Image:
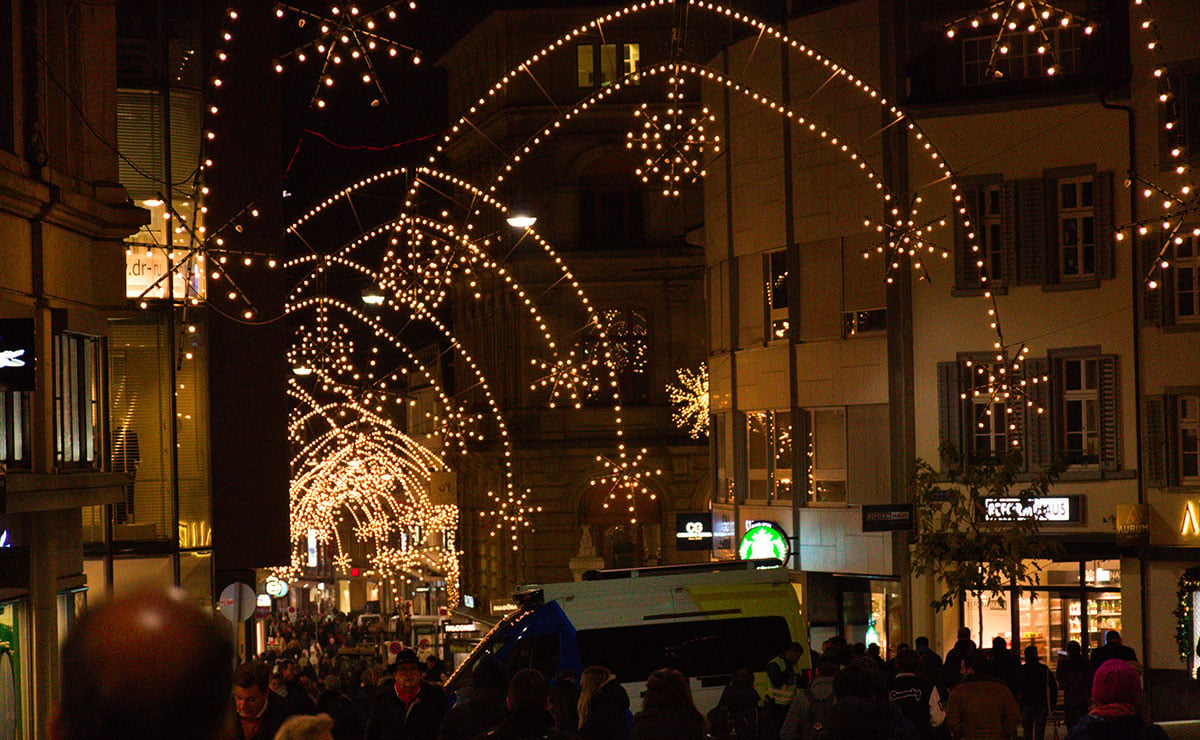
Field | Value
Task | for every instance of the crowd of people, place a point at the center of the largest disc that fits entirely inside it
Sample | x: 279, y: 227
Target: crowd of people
x: 152, y: 666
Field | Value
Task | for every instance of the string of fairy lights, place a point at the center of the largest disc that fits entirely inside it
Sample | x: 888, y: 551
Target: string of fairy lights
x: 689, y: 401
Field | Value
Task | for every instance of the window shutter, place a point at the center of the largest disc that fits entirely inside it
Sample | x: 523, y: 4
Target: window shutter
x: 139, y: 139
x: 949, y: 408
x: 965, y: 273
x: 1110, y: 416
x: 1039, y: 437
x: 1106, y: 258
x: 1017, y: 423
x: 1154, y: 441
x: 1009, y: 232
x: 1152, y: 300
x: 1031, y: 231
x: 1050, y: 244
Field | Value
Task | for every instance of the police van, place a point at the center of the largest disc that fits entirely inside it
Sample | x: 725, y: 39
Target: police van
x: 705, y: 620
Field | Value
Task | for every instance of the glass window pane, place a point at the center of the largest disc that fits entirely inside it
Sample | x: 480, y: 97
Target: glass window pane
x: 1104, y: 573
x: 608, y: 64
x: 585, y: 63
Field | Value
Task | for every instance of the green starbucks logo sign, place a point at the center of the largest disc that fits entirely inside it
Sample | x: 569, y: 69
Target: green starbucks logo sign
x: 764, y: 541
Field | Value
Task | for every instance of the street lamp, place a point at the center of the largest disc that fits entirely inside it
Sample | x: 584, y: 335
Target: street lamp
x: 302, y: 370
x: 372, y: 297
x: 521, y: 217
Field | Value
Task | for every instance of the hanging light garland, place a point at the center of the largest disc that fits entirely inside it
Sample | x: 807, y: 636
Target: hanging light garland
x: 345, y: 34
x: 1040, y: 21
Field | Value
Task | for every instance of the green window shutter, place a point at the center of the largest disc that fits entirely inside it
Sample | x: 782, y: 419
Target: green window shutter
x: 1110, y: 414
x: 949, y: 408
x: 1009, y: 234
x: 1106, y: 257
x: 1031, y: 231
x: 1154, y: 441
x: 1039, y: 428
x: 1152, y: 299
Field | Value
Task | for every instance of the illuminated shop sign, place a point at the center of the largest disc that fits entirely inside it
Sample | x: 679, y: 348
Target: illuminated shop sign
x: 17, y: 352
x: 764, y: 540
x: 1053, y: 509
x: 693, y: 531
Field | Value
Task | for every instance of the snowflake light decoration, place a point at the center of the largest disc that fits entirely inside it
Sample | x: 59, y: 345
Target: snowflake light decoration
x: 1037, y: 19
x: 624, y: 479
x: 345, y: 34
x: 689, y: 401
x: 905, y: 235
x: 673, y: 145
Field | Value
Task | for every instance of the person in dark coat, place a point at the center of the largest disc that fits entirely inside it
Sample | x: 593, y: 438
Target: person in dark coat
x: 410, y: 709
x: 931, y: 663
x: 861, y: 710
x: 603, y: 706
x: 1005, y: 664
x: 667, y: 709
x: 916, y: 696
x: 259, y: 710
x: 528, y: 718
x: 963, y: 649
x: 485, y: 708
x: 1114, y: 716
x: 1074, y: 673
x: 563, y: 701
x: 340, y: 708
x: 1037, y: 694
x: 1112, y: 648
x: 736, y: 714
x: 297, y: 699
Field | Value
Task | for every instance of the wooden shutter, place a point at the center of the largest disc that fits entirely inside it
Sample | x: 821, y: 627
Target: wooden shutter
x: 965, y: 272
x: 1154, y: 441
x: 1050, y: 226
x: 949, y: 408
x: 1039, y: 427
x: 1018, y: 423
x: 1031, y: 231
x: 1110, y: 413
x: 1106, y: 257
x: 1152, y: 299
x: 1009, y: 232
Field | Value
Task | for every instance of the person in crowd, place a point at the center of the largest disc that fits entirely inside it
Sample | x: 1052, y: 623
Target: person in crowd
x: 1037, y: 695
x: 144, y: 666
x: 411, y: 709
x: 931, y: 663
x: 340, y: 707
x: 981, y: 707
x: 736, y: 716
x: 668, y: 709
x: 603, y: 706
x: 528, y: 718
x: 1116, y: 687
x: 306, y: 727
x: 963, y: 648
x: 916, y: 696
x: 861, y: 710
x: 783, y: 677
x: 1006, y: 666
x: 485, y: 708
x: 563, y: 701
x: 260, y: 711
x: 809, y: 713
x: 435, y: 669
x: 296, y: 694
x: 1074, y: 674
x: 1112, y: 648
x: 364, y: 698
x: 875, y: 653
x: 889, y: 665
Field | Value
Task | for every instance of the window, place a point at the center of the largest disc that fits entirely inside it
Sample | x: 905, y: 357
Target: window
x: 1027, y: 57
x: 620, y: 358
x: 1076, y: 228
x: 14, y: 429
x: 769, y: 454
x: 825, y: 455
x: 1182, y: 113
x: 1175, y: 298
x: 991, y: 246
x: 1186, y: 274
x: 871, y: 321
x: 1078, y: 421
x: 1171, y: 435
x: 598, y: 65
x: 777, y: 294
x: 78, y: 392
x: 611, y: 216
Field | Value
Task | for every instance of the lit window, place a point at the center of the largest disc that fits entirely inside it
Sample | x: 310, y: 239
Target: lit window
x: 14, y: 428
x: 1080, y: 411
x: 777, y: 294
x: 871, y: 321
x: 78, y: 364
x: 769, y: 454
x: 826, y: 455
x: 600, y: 65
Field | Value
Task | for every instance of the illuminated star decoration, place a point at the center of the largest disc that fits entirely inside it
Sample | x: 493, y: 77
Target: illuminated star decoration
x: 904, y: 235
x: 689, y: 401
x: 624, y: 480
x: 673, y: 146
x: 1033, y: 17
x: 345, y: 34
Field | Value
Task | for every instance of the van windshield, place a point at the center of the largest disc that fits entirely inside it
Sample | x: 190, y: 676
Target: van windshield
x: 491, y: 644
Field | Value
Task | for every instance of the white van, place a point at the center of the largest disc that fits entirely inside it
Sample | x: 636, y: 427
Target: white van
x: 705, y: 620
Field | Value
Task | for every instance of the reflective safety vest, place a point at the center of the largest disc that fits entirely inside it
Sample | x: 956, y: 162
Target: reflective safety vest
x: 785, y: 692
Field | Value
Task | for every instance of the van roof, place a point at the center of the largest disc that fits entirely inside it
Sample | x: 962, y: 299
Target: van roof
x: 659, y: 579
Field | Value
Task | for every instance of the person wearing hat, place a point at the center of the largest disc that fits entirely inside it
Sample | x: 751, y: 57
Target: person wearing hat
x: 411, y: 709
x: 1114, y: 716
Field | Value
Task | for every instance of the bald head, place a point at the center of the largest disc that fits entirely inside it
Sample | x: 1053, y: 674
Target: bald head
x: 144, y: 666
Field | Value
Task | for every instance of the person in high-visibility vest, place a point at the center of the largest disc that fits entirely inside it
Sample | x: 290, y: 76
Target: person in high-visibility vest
x: 784, y: 680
